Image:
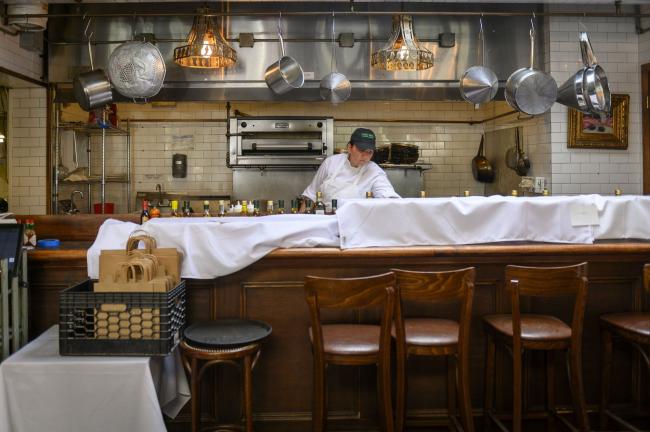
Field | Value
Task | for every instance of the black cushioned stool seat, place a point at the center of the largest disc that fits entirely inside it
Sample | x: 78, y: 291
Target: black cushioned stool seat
x: 232, y: 341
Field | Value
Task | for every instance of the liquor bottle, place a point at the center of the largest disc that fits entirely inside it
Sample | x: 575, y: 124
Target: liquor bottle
x: 369, y: 194
x: 144, y: 216
x: 244, y: 208
x: 319, y: 208
x: 466, y: 193
x: 618, y: 192
x: 29, y: 234
x: 294, y: 208
x: 187, y: 210
x: 256, y: 208
x: 206, y: 209
x: 269, y: 207
x: 174, y: 212
x: 423, y: 194
x: 514, y: 193
x: 222, y: 208
x: 280, y: 206
x: 335, y: 205
x: 545, y: 192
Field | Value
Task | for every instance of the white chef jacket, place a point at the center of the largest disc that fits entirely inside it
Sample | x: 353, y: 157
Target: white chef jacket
x: 368, y: 177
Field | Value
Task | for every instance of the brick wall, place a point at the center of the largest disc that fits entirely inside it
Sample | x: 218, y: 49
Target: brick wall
x: 16, y: 59
x: 616, y: 46
x: 27, y: 151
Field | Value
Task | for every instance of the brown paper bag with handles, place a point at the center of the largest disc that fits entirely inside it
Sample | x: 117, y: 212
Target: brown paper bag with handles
x: 139, y: 274
x: 169, y: 258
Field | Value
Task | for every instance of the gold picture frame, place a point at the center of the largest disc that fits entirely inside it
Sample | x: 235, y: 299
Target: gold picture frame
x: 587, y: 131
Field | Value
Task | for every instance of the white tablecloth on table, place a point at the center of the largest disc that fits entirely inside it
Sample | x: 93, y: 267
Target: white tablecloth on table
x: 43, y: 391
x: 472, y: 220
x: 214, y: 247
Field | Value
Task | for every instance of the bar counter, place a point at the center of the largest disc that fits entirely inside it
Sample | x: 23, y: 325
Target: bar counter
x: 272, y: 290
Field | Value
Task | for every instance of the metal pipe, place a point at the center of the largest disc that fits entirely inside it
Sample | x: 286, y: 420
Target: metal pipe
x: 128, y: 166
x: 175, y: 40
x: 103, y: 162
x: 580, y: 14
x: 8, y: 31
x: 57, y: 143
x: 639, y: 29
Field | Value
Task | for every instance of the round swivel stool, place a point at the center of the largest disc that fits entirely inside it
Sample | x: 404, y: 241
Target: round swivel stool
x: 229, y: 341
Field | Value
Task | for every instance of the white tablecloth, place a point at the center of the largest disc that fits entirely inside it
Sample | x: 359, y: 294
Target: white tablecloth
x: 43, y: 391
x: 214, y: 247
x: 473, y: 220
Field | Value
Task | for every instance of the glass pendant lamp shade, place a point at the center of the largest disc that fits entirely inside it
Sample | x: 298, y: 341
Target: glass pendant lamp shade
x: 206, y: 47
x: 402, y: 51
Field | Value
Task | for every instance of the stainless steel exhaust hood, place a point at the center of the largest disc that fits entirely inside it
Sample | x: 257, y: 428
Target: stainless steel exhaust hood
x: 307, y: 40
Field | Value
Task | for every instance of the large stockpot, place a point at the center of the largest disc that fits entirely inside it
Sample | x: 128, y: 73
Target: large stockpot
x: 286, y: 74
x: 529, y: 90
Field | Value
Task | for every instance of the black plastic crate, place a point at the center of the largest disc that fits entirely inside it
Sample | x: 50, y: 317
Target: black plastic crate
x: 120, y: 323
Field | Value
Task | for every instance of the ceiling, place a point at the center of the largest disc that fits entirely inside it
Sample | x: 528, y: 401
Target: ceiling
x: 564, y: 2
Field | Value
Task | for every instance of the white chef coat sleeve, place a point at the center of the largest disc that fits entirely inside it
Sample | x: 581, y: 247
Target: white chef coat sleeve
x: 319, y: 178
x: 381, y: 186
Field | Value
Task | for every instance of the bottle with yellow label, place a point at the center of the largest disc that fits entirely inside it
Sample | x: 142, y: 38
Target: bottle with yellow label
x: 174, y: 212
x: 244, y: 208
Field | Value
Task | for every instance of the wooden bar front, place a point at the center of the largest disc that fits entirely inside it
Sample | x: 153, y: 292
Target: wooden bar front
x: 272, y: 290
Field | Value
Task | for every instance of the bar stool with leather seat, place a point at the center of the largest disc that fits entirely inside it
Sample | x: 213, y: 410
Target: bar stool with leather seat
x: 235, y: 342
x: 352, y: 344
x: 632, y: 328
x: 520, y: 332
x: 432, y: 337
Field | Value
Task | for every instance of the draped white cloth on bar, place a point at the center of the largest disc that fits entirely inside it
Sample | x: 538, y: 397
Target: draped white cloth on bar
x: 214, y: 247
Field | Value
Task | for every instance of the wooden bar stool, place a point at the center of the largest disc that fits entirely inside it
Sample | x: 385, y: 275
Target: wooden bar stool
x: 519, y: 332
x: 236, y: 342
x: 632, y: 328
x: 434, y: 336
x: 351, y: 344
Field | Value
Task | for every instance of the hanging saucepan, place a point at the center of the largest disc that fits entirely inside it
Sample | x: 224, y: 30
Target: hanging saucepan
x: 479, y: 84
x: 529, y: 90
x: 587, y: 90
x: 92, y: 89
x: 523, y: 163
x: 285, y: 74
x: 334, y: 87
x: 481, y: 167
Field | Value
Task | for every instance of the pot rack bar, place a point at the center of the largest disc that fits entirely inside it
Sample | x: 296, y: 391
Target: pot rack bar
x: 343, y: 120
x: 341, y: 13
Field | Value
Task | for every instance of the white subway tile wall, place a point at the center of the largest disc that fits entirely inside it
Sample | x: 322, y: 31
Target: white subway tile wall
x: 27, y: 151
x: 617, y: 47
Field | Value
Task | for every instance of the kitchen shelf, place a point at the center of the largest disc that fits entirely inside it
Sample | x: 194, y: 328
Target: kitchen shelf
x: 97, y: 180
x: 93, y: 131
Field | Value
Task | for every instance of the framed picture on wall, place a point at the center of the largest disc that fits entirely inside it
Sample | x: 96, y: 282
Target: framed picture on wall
x: 610, y: 132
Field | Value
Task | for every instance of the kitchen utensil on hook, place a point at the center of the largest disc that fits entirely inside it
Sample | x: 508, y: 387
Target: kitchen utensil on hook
x: 529, y: 90
x: 479, y: 84
x: 286, y: 74
x: 334, y: 87
x: 481, y: 168
x: 523, y: 163
x: 92, y: 89
x: 587, y: 90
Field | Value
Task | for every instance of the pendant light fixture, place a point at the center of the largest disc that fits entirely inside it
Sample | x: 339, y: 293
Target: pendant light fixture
x: 206, y: 47
x: 402, y: 51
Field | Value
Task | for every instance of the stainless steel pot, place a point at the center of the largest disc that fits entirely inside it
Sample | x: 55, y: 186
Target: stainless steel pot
x: 285, y: 74
x: 92, y: 89
x: 529, y: 90
x: 334, y: 87
x: 479, y: 84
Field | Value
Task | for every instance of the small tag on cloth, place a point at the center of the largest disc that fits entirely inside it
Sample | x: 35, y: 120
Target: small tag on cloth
x: 584, y: 214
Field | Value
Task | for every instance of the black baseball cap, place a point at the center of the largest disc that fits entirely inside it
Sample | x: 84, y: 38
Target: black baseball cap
x: 364, y: 139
